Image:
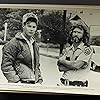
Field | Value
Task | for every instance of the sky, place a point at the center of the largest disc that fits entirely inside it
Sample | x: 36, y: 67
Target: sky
x: 91, y: 18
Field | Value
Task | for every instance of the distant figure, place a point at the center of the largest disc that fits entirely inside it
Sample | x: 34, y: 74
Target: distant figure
x: 20, y: 59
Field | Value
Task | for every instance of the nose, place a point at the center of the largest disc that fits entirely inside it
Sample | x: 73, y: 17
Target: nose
x: 31, y: 28
x: 75, y: 33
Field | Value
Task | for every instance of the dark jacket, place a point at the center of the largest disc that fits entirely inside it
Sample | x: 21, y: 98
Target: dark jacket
x: 17, y: 61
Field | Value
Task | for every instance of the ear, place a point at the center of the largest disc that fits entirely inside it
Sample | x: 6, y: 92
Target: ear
x: 23, y: 26
x: 71, y: 33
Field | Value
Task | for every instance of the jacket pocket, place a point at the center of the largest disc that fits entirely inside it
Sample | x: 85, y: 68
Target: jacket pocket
x: 24, y: 71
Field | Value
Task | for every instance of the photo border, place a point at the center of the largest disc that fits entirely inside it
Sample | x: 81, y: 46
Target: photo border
x: 13, y: 88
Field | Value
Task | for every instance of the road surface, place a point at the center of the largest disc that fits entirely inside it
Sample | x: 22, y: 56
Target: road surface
x: 49, y: 70
x: 51, y: 74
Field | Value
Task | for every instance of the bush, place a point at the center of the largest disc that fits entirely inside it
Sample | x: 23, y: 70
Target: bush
x: 50, y: 45
x: 43, y: 45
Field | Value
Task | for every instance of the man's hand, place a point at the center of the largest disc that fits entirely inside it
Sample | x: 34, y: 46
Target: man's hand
x: 84, y: 66
x: 61, y: 67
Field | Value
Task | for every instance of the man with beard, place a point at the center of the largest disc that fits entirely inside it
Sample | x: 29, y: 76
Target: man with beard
x: 76, y: 60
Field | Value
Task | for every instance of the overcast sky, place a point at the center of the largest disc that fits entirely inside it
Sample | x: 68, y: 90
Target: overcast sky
x: 92, y: 18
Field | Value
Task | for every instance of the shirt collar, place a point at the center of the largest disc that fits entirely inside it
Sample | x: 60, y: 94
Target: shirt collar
x: 31, y: 39
x: 81, y: 46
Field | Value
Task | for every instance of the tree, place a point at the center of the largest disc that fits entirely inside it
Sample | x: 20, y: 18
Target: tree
x: 55, y: 26
x: 13, y: 18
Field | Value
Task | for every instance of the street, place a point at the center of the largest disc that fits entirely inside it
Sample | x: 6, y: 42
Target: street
x: 48, y: 67
x: 50, y: 72
x: 51, y: 75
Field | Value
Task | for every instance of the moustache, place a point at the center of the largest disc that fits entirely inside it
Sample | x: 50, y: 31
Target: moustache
x: 75, y: 37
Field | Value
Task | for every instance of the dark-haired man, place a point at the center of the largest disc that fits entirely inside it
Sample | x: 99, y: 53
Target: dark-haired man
x: 76, y: 61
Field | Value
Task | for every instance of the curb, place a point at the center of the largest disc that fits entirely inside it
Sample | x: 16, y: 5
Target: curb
x: 56, y: 57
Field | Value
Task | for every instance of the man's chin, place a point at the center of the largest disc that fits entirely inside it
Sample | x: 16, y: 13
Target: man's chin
x: 30, y: 35
x: 76, y: 41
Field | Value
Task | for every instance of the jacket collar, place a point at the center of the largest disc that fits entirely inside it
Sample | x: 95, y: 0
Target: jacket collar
x: 19, y: 36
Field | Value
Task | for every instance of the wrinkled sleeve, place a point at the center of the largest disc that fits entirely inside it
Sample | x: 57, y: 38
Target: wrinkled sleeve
x: 40, y: 79
x: 86, y: 55
x: 8, y: 58
x: 61, y: 66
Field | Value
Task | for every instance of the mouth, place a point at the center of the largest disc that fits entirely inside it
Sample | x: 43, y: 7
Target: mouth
x: 75, y: 39
x: 31, y: 32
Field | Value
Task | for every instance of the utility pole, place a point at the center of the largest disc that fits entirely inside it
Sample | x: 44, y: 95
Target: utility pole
x: 64, y: 20
x: 5, y: 34
x: 64, y: 24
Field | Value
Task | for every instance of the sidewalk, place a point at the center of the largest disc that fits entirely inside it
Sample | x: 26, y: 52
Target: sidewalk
x: 49, y: 52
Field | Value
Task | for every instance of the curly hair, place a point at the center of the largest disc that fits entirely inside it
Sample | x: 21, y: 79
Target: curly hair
x: 86, y: 35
